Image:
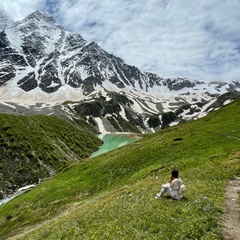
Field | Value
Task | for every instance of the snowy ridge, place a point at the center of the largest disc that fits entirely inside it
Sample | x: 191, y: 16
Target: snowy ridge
x: 41, y: 62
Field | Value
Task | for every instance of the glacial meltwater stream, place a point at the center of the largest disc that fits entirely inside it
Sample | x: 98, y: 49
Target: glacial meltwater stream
x: 110, y: 142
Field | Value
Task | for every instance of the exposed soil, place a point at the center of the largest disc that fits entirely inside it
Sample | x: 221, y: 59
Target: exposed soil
x: 231, y: 221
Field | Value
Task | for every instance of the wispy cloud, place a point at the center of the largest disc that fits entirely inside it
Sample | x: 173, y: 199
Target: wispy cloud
x: 197, y: 39
x: 20, y: 8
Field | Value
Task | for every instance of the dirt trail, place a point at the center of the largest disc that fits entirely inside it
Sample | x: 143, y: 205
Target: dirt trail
x: 231, y: 221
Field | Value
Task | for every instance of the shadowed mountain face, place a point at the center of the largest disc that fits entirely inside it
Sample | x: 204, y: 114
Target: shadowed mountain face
x: 41, y: 62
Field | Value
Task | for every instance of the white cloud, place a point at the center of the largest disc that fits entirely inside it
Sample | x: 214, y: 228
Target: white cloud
x: 18, y: 9
x: 197, y: 39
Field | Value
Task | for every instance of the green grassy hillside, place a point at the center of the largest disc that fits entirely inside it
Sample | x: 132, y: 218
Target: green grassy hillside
x: 34, y: 147
x: 112, y: 196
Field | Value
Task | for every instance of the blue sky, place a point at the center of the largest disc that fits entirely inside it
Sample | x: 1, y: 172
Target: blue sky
x: 173, y: 38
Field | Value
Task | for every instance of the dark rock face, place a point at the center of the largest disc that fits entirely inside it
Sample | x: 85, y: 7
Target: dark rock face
x: 230, y: 96
x: 89, y: 109
x: 167, y: 118
x: 9, y: 54
x: 154, y: 122
x: 99, y: 107
x: 7, y: 72
x: 28, y: 83
x: 116, y: 81
x: 3, y: 40
x: 49, y: 80
x: 178, y: 84
x: 232, y: 86
x: 33, y: 48
x: 154, y: 79
x: 89, y: 84
x: 110, y: 111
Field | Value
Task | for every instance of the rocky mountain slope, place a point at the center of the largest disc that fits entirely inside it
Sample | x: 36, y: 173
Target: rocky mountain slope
x: 33, y: 148
x: 42, y: 63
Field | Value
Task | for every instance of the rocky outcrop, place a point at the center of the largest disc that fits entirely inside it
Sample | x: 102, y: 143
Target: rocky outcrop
x: 7, y: 72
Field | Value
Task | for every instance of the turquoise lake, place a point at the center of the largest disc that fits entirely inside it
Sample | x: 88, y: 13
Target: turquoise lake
x: 112, y: 141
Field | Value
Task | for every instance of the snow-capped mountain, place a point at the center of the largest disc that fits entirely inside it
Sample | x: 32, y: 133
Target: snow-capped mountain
x: 42, y: 63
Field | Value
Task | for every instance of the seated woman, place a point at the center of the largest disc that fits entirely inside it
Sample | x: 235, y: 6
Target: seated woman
x: 175, y: 187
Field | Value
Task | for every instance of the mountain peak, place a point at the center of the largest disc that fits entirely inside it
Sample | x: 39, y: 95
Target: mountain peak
x: 38, y: 21
x: 38, y: 15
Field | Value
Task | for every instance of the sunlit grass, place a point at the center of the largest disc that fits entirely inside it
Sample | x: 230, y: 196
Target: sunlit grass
x: 112, y: 196
x: 34, y: 147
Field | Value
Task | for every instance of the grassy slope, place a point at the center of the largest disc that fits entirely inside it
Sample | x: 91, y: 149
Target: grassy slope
x: 31, y: 147
x: 112, y: 196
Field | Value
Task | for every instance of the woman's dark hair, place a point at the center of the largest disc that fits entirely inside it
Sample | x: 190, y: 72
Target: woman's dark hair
x: 175, y: 173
